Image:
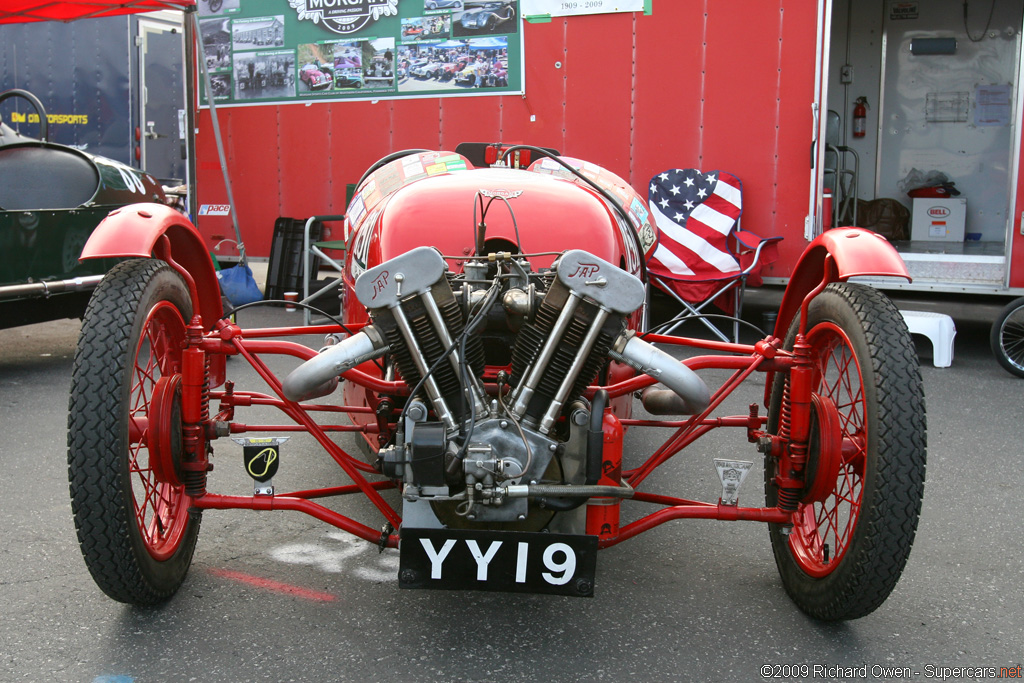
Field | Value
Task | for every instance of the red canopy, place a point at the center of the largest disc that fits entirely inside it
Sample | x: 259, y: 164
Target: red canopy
x: 21, y: 11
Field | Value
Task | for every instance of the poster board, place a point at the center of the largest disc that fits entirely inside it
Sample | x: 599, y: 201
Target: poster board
x: 537, y: 9
x: 298, y: 51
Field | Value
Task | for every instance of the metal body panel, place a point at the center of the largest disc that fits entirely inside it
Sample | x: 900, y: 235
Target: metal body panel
x: 134, y: 230
x: 1015, y: 224
x: 307, y: 144
x: 854, y: 253
x: 598, y: 121
x: 462, y: 114
x: 427, y: 207
x: 53, y: 196
x: 536, y: 117
x: 49, y: 250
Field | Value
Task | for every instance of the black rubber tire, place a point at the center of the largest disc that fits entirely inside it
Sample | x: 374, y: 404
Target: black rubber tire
x: 106, y: 469
x: 857, y: 323
x: 1007, y: 337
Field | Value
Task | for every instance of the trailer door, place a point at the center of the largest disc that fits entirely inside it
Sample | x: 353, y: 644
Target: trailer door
x: 161, y: 138
x: 942, y: 82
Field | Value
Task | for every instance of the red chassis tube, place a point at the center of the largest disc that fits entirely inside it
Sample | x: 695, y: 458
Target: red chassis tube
x: 838, y: 255
x: 228, y: 339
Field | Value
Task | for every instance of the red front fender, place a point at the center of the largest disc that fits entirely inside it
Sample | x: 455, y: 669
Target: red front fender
x: 854, y: 252
x: 133, y: 230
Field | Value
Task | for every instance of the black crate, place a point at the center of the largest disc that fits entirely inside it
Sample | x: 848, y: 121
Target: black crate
x: 285, y: 271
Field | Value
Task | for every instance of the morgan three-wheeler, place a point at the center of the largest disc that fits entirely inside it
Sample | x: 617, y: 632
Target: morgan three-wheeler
x: 491, y: 354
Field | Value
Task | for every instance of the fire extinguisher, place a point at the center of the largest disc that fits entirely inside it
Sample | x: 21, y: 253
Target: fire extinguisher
x: 860, y: 117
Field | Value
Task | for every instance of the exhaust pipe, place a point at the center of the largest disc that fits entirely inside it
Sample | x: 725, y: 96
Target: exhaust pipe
x: 319, y: 376
x: 654, y: 362
x: 48, y: 287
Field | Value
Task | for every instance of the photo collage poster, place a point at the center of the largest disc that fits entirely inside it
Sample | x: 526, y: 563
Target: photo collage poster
x: 280, y: 51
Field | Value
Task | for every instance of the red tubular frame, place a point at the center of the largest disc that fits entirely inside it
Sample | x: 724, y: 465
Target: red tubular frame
x: 228, y: 339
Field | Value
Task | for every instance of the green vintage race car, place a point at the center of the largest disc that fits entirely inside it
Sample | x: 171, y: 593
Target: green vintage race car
x: 51, y: 198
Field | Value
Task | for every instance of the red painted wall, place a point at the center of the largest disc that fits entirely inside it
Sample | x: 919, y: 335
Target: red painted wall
x: 1015, y: 248
x: 696, y: 84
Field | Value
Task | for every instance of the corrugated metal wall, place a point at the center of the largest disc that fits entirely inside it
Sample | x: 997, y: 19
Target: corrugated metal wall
x: 1015, y: 248
x: 696, y: 84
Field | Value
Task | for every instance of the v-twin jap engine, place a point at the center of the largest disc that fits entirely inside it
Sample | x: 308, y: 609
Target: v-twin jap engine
x: 497, y: 359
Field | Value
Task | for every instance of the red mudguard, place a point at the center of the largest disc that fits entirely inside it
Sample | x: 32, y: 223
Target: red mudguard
x: 854, y: 252
x: 134, y: 230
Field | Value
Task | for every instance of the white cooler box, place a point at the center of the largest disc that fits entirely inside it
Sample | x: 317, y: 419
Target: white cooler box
x: 938, y: 220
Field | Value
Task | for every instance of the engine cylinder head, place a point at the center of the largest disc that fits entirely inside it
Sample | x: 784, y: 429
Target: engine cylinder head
x: 412, y: 304
x: 561, y: 352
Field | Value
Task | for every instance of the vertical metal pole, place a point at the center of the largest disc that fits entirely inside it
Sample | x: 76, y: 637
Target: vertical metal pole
x: 190, y: 112
x: 217, y: 135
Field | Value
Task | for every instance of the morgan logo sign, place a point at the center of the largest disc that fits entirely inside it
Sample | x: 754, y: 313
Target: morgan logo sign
x: 504, y: 194
x: 343, y: 16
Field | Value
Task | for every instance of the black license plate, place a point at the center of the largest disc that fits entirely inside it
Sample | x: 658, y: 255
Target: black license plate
x: 560, y: 564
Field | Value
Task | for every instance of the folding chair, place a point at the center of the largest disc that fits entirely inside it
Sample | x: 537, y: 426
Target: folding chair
x: 310, y: 270
x: 703, y: 256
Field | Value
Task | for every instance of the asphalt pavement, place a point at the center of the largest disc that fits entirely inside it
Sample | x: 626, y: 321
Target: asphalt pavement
x: 282, y: 597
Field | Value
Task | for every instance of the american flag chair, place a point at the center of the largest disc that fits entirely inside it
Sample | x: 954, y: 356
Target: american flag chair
x: 703, y: 255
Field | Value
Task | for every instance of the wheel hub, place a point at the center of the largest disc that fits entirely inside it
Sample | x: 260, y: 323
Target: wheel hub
x: 165, y: 435
x: 825, y: 450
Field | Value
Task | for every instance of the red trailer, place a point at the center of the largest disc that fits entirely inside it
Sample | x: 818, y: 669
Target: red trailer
x: 893, y: 91
x: 691, y: 85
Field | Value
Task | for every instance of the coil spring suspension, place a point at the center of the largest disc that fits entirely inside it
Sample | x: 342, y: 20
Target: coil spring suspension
x: 195, y: 411
x: 789, y: 497
x: 195, y: 479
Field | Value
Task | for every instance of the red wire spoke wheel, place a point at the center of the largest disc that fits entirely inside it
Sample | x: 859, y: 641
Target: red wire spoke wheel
x: 160, y: 505
x: 825, y: 524
x: 857, y: 517
x: 134, y: 522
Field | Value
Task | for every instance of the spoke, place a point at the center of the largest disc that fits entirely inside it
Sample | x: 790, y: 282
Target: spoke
x: 1013, y: 341
x: 150, y: 488
x: 133, y: 458
x: 827, y: 519
x: 153, y: 534
x: 837, y: 377
x: 167, y: 497
x: 160, y: 510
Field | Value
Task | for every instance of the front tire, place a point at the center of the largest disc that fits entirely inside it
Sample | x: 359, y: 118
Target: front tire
x: 137, y: 533
x: 853, y: 531
x: 1007, y: 338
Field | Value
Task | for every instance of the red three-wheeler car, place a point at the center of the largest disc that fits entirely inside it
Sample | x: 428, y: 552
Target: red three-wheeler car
x: 491, y: 355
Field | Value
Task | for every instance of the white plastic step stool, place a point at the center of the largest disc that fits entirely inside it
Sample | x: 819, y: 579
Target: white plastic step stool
x: 939, y: 328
